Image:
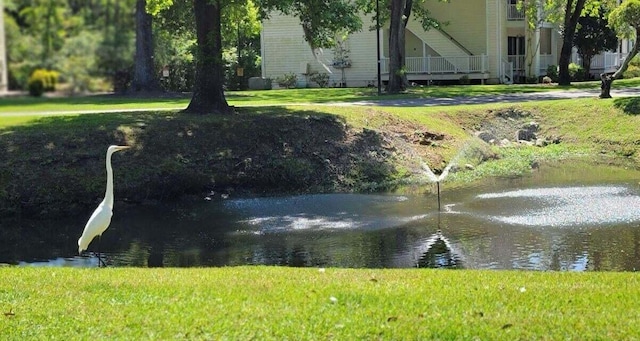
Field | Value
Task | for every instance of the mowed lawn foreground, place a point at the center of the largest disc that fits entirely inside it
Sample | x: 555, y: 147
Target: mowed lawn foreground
x: 279, y: 303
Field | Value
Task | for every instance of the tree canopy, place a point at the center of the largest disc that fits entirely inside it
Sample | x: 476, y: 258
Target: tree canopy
x: 593, y: 36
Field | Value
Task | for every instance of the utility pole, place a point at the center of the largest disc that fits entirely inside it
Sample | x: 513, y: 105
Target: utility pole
x: 4, y: 83
x: 377, y: 45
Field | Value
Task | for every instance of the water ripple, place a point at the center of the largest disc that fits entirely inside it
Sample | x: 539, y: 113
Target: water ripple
x: 569, y: 206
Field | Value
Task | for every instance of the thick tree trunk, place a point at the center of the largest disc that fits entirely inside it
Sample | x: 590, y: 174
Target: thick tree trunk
x: 572, y: 14
x: 208, y: 93
x: 606, y: 79
x: 400, y: 11
x: 144, y: 77
x: 586, y: 65
x: 564, y: 78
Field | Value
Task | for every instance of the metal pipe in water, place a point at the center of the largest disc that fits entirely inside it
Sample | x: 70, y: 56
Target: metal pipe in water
x: 438, y: 185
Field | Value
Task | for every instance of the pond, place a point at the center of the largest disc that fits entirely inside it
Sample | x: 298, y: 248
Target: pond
x: 573, y: 217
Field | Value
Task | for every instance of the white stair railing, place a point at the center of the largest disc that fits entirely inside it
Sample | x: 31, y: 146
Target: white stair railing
x: 506, y: 72
x: 441, y: 64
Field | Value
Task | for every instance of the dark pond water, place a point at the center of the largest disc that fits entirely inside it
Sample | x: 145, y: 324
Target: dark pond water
x: 560, y: 218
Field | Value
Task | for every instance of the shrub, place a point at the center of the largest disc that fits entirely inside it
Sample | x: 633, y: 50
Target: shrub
x: 632, y: 71
x: 289, y: 80
x: 635, y: 61
x: 48, y: 79
x: 576, y: 72
x: 42, y: 80
x: 552, y: 72
x: 464, y: 80
x: 51, y: 80
x: 322, y: 79
x: 36, y: 87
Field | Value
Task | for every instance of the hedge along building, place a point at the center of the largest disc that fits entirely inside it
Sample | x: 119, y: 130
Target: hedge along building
x: 484, y: 41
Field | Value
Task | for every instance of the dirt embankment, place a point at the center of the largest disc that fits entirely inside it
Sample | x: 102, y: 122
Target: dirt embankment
x: 56, y: 166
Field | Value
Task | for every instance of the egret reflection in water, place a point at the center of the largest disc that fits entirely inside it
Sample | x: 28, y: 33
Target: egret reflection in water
x: 434, y: 251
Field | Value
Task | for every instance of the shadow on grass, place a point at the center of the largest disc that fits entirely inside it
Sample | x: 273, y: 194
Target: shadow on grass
x: 107, y: 99
x: 629, y: 105
x: 55, y: 165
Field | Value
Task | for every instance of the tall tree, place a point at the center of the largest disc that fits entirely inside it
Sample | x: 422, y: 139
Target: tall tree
x: 594, y: 36
x: 46, y: 20
x: 115, y: 54
x: 4, y: 79
x: 320, y: 20
x: 572, y: 12
x: 565, y: 13
x: 625, y: 20
x: 398, y: 13
x: 144, y: 76
x: 536, y: 13
x: 208, y: 93
x: 241, y: 41
x: 399, y: 17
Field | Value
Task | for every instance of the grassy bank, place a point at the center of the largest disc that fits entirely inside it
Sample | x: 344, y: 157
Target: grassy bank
x: 54, y: 165
x: 269, y: 303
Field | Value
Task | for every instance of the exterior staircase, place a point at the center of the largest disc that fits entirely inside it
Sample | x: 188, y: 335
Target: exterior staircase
x: 442, y: 43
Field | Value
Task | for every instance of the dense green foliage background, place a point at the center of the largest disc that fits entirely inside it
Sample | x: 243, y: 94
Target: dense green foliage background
x: 92, y: 43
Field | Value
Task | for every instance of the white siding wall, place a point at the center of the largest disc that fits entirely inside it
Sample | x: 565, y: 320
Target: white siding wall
x: 466, y: 19
x: 473, y: 23
x: 284, y: 49
x: 495, y: 38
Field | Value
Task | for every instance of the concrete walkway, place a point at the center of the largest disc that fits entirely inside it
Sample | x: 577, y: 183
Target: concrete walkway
x: 487, y: 99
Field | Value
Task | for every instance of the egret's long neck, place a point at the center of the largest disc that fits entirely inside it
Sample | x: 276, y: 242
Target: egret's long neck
x: 108, y: 195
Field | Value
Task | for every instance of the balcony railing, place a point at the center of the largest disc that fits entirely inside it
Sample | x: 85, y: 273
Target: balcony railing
x: 517, y: 60
x: 441, y: 65
x: 606, y: 62
x: 513, y: 13
x: 519, y: 65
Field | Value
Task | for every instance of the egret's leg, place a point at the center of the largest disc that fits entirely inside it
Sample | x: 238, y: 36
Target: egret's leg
x: 100, y: 258
x: 98, y: 251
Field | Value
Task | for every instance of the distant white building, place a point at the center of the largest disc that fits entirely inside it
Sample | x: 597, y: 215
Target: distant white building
x: 485, y: 41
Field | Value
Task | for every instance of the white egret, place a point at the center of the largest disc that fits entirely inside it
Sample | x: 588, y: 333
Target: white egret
x: 101, y: 217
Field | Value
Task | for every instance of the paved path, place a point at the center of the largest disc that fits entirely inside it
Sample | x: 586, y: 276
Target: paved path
x: 487, y: 99
x: 408, y: 102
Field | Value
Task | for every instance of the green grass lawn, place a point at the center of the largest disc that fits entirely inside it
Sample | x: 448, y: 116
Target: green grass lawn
x: 276, y: 97
x: 277, y: 303
x: 96, y: 102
